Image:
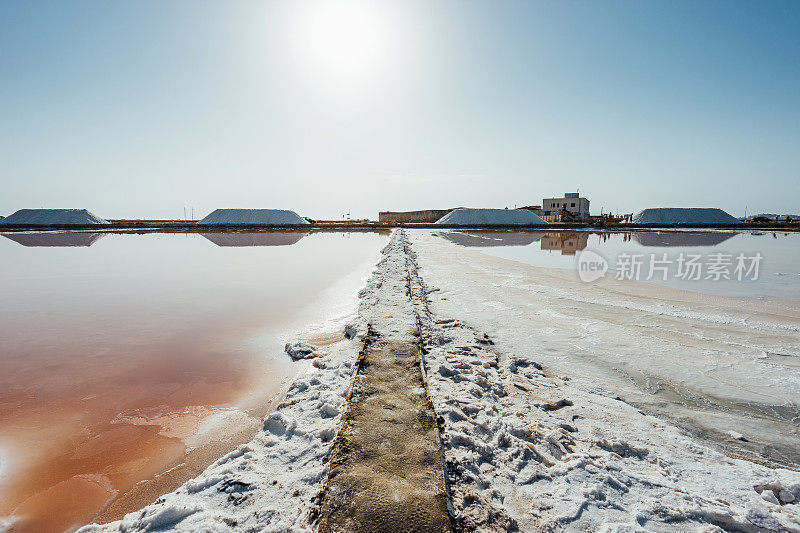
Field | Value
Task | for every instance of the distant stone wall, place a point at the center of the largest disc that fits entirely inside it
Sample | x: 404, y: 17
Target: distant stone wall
x: 426, y: 216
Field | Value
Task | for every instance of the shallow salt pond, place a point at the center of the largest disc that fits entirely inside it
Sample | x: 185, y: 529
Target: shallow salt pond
x: 130, y: 361
x: 778, y: 272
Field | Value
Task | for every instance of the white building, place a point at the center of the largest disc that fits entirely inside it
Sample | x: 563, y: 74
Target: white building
x: 571, y: 202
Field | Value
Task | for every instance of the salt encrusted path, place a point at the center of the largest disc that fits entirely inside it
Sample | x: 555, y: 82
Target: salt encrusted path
x: 386, y: 472
x: 522, y: 449
x: 388, y: 323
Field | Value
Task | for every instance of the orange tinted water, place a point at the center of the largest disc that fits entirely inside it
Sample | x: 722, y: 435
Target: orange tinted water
x: 113, y: 356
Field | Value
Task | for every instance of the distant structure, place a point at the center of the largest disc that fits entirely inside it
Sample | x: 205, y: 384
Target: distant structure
x: 771, y: 217
x: 53, y: 217
x: 572, y: 202
x: 426, y: 216
x: 535, y: 208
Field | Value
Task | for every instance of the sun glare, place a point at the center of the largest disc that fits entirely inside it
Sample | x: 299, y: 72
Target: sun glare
x: 343, y: 40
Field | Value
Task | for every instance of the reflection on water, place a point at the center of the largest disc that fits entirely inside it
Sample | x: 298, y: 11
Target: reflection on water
x: 55, y: 238
x: 567, y: 242
x: 779, y: 274
x: 570, y: 242
x: 276, y: 238
x: 491, y: 238
x: 681, y: 238
x: 116, y: 358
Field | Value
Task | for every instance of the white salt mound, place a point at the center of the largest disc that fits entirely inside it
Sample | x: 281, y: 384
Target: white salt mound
x: 53, y: 217
x: 253, y: 216
x: 683, y: 215
x: 491, y: 217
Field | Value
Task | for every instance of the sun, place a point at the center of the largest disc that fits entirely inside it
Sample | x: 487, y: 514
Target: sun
x: 342, y: 40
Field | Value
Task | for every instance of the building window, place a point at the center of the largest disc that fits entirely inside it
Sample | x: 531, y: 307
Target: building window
x: 573, y: 204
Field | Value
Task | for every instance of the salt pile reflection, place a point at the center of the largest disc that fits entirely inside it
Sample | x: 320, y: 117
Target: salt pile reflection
x: 491, y: 238
x: 54, y: 238
x: 272, y: 238
x: 680, y: 238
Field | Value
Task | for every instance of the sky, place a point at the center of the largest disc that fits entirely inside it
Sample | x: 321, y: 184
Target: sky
x: 141, y: 109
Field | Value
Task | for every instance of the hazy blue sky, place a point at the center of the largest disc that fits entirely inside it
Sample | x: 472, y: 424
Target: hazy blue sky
x: 137, y: 109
